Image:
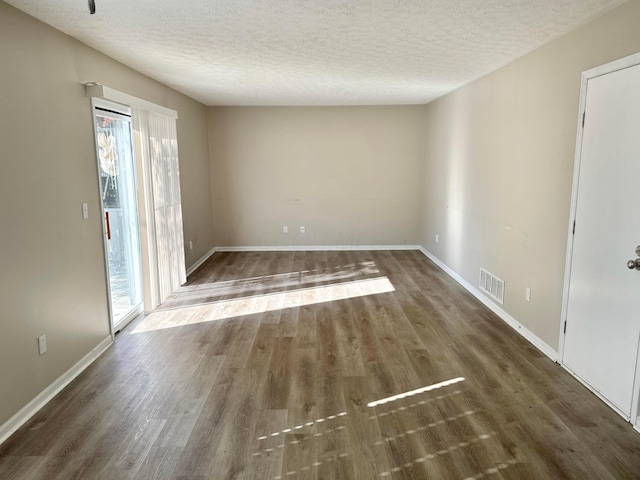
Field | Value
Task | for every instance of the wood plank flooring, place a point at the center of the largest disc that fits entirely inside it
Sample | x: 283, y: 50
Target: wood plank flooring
x: 264, y: 365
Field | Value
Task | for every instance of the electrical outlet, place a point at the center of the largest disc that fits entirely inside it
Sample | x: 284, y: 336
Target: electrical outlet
x: 285, y: 229
x: 436, y: 238
x: 85, y: 211
x: 42, y: 344
x: 301, y: 229
x: 527, y: 294
x: 190, y: 245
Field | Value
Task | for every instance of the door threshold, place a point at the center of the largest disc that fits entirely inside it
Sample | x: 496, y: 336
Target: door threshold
x: 128, y: 318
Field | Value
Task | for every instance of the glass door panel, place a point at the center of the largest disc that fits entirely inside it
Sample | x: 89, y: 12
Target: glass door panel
x: 118, y: 194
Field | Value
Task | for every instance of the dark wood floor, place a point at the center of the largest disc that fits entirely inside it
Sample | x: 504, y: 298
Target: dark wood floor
x: 263, y: 367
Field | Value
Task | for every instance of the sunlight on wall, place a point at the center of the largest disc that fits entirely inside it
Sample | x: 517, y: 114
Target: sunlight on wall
x: 456, y: 153
x: 257, y: 304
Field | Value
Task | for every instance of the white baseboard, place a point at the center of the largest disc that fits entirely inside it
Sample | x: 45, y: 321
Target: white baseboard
x: 636, y: 426
x: 31, y: 408
x: 315, y: 248
x: 517, y: 326
x: 204, y: 258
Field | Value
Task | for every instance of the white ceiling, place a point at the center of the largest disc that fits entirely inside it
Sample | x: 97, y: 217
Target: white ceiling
x: 315, y: 52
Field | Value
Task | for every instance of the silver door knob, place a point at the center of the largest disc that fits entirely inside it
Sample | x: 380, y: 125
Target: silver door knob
x: 634, y: 264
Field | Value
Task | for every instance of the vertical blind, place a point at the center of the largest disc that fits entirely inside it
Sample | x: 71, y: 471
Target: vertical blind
x: 159, y: 151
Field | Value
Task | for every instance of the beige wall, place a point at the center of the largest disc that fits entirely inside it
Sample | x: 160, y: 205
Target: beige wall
x: 52, y: 277
x: 499, y: 159
x: 350, y: 175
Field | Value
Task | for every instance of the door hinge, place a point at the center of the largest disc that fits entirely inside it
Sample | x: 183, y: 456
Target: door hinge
x: 565, y: 327
x: 584, y: 114
x: 574, y: 227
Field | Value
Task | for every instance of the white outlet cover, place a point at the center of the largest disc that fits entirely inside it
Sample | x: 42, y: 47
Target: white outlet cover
x: 285, y: 229
x: 301, y: 229
x: 85, y: 211
x: 42, y: 344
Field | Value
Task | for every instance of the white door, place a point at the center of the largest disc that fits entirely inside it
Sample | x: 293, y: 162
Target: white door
x: 603, y: 314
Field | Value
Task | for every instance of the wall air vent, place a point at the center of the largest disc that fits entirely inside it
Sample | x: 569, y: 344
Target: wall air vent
x: 492, y: 286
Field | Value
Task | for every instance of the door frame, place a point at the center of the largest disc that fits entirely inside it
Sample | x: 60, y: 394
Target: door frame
x: 98, y: 92
x: 614, y: 66
x: 115, y: 106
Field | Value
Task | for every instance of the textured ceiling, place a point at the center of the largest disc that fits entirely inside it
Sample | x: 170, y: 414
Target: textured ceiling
x: 315, y: 52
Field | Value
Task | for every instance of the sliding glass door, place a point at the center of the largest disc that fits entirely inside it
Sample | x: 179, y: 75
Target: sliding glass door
x: 117, y: 177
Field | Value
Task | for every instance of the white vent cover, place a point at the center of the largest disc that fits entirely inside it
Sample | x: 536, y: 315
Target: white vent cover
x: 492, y: 286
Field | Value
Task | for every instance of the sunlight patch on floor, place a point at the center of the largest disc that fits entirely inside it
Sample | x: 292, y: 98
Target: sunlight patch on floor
x: 415, y: 392
x: 210, y: 290
x: 257, y: 304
